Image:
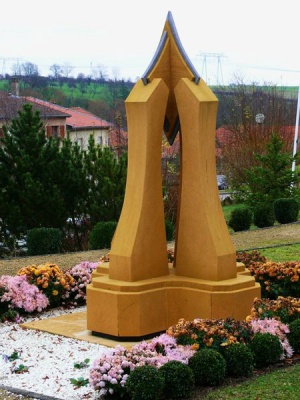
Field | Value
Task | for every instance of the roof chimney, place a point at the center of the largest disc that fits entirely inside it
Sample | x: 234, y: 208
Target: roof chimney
x: 15, y: 86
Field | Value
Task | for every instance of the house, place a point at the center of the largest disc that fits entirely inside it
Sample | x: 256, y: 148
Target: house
x: 54, y: 119
x: 80, y: 124
x: 60, y: 121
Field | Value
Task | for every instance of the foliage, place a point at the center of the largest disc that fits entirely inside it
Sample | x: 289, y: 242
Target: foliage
x: 272, y: 178
x: 75, y: 295
x: 145, y: 383
x: 277, y: 279
x: 49, y: 279
x: 17, y: 293
x: 239, y: 360
x: 29, y: 195
x: 82, y: 364
x: 277, y: 328
x: 209, y: 367
x: 263, y: 215
x: 266, y: 349
x: 294, y: 335
x: 286, y: 210
x: 169, y: 230
x: 109, y: 374
x: 244, y: 137
x: 46, y: 182
x: 212, y: 333
x: 286, y: 309
x: 79, y: 382
x: 101, y: 235
x: 249, y: 258
x: 240, y: 219
x: 179, y: 379
x: 43, y: 241
x: 106, y: 180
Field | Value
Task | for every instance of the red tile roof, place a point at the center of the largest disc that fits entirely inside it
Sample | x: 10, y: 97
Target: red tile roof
x: 78, y: 117
x: 11, y: 104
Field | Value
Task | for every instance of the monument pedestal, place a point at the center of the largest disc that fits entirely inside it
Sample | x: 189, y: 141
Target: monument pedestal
x: 135, y: 310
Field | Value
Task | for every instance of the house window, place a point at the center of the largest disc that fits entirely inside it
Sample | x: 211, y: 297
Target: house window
x: 55, y: 131
x: 100, y: 140
x: 80, y: 142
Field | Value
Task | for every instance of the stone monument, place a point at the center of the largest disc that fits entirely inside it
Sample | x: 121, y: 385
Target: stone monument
x: 137, y: 294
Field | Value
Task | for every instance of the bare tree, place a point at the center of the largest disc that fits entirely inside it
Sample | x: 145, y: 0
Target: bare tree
x: 250, y: 114
x: 29, y: 69
x: 16, y: 69
x: 66, y: 69
x: 99, y: 72
x: 56, y: 70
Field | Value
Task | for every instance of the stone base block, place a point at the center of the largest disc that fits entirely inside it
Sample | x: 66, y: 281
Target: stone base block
x: 140, y: 309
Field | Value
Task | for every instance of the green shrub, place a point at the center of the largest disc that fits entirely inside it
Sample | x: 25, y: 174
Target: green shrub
x: 286, y: 210
x: 240, y: 219
x: 145, y: 383
x: 294, y: 335
x: 179, y: 379
x: 263, y: 215
x: 209, y: 367
x: 42, y: 241
x: 169, y: 230
x: 266, y: 349
x: 239, y: 360
x: 101, y: 235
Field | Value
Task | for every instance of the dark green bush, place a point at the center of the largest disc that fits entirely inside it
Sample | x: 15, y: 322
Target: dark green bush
x: 179, y: 379
x: 266, y: 349
x: 101, y: 235
x: 42, y: 241
x: 145, y: 383
x: 240, y: 219
x: 239, y: 360
x: 209, y: 367
x: 286, y: 210
x: 263, y: 215
x: 294, y: 335
x: 169, y: 230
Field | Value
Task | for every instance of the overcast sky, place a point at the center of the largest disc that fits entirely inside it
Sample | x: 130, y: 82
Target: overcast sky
x: 255, y: 40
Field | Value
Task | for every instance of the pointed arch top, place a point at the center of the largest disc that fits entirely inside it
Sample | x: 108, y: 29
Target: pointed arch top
x: 169, y: 31
x: 171, y: 63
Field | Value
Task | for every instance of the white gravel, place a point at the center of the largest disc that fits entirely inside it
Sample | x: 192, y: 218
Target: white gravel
x: 50, y: 360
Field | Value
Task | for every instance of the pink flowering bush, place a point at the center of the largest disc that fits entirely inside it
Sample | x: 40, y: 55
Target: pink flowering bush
x: 82, y: 276
x: 17, y: 293
x: 276, y: 328
x: 108, y: 374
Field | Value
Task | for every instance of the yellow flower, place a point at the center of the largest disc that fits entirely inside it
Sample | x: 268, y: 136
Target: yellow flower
x: 55, y: 292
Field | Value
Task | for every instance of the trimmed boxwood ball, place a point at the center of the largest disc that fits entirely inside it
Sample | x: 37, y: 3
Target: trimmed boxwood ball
x: 294, y: 335
x: 263, y: 215
x: 101, y: 235
x: 240, y: 219
x: 286, y: 210
x: 266, y: 349
x: 239, y: 360
x: 145, y: 383
x: 179, y: 379
x: 209, y: 367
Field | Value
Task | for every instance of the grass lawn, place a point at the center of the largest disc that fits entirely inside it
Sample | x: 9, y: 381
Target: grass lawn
x: 282, y: 253
x: 282, y: 384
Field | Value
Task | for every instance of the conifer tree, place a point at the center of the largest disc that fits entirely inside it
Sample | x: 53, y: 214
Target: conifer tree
x: 272, y: 178
x: 106, y: 175
x: 29, y: 194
